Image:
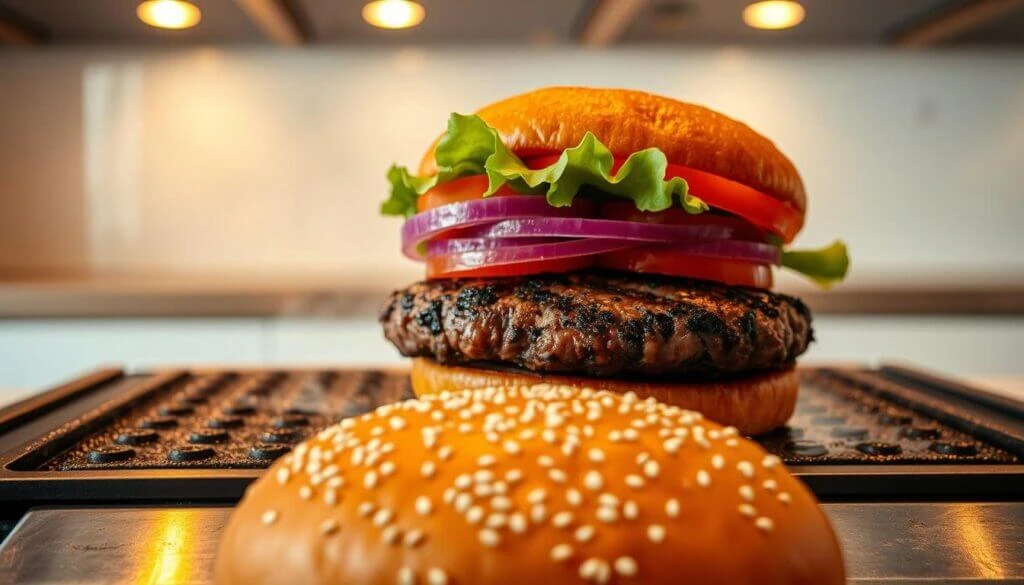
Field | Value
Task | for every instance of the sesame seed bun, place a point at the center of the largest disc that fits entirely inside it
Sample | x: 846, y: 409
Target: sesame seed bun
x: 755, y: 404
x: 528, y: 485
x: 549, y: 120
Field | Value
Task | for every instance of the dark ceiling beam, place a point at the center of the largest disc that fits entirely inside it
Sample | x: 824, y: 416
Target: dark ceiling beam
x: 275, y: 19
x: 16, y: 30
x: 609, y: 20
x: 949, y: 24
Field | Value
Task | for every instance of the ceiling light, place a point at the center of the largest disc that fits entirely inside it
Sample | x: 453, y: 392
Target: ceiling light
x: 394, y: 13
x: 773, y: 14
x: 173, y: 14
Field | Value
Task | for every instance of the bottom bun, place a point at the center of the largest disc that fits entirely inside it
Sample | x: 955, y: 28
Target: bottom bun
x: 754, y: 405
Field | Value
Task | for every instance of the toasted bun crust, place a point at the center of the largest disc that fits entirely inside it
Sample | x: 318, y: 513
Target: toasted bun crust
x: 549, y: 120
x: 528, y: 485
x: 753, y: 405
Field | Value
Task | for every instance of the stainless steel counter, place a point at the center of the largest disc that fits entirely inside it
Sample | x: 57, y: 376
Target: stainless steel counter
x: 888, y: 543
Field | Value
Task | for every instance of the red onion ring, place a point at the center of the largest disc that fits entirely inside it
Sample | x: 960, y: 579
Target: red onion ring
x: 428, y: 224
x: 549, y: 251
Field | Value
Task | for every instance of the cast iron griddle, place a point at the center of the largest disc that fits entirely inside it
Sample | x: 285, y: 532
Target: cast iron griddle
x: 206, y: 434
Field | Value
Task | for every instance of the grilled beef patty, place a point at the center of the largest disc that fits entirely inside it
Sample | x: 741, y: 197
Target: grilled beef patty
x: 599, y: 324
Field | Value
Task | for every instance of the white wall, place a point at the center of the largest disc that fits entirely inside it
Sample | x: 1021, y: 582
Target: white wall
x: 261, y: 160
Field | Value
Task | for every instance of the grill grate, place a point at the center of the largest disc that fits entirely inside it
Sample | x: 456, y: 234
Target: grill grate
x: 232, y: 420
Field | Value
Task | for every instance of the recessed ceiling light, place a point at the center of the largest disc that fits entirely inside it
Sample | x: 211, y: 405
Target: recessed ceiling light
x: 173, y: 14
x: 773, y: 14
x: 394, y: 13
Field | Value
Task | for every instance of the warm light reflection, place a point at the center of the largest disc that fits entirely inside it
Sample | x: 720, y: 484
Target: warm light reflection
x: 169, y: 548
x: 393, y: 13
x: 172, y: 14
x: 982, y: 552
x: 773, y: 14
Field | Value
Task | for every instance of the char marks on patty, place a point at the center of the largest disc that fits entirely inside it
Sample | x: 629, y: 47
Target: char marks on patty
x: 599, y: 324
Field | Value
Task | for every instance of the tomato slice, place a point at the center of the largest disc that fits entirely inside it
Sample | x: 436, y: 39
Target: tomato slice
x: 752, y: 205
x: 457, y: 191
x: 455, y: 266
x: 660, y: 260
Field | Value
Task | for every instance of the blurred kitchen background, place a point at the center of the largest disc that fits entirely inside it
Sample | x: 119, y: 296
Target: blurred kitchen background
x: 210, y: 194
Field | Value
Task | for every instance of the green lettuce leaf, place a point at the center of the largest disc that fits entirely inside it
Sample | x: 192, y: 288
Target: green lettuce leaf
x: 825, y: 266
x: 471, y: 147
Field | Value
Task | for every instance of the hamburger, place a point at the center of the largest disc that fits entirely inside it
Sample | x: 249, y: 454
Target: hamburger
x: 537, y: 484
x: 607, y: 239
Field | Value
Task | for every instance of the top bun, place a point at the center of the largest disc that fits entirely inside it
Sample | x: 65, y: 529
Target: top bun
x: 528, y: 485
x: 549, y: 120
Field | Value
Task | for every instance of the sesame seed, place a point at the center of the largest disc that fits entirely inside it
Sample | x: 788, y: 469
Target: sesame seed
x: 607, y: 499
x: 474, y: 515
x: 635, y: 481
x: 511, y: 447
x: 656, y: 533
x: 596, y: 455
x: 630, y: 510
x: 672, y: 444
x: 596, y: 570
x: 652, y: 469
x: 462, y: 502
x: 536, y: 496
x: 501, y: 503
x: 630, y: 434
x: 496, y: 520
x: 390, y: 534
x: 607, y: 514
x: 770, y: 485
x: 584, y: 533
x: 463, y: 481
x: 330, y: 497
x: 717, y: 461
x: 449, y: 495
x: 489, y: 538
x: 549, y: 436
x: 424, y: 506
x: 561, y: 552
x: 562, y: 519
x: 370, y: 480
x: 269, y: 517
x: 593, y: 480
x: 406, y: 576
x: 672, y: 508
x: 329, y: 526
x: 746, y: 469
x: 557, y: 475
x: 305, y: 492
x: 413, y: 538
x: 747, y: 510
x: 387, y: 468
x: 486, y: 460
x: 382, y: 517
x: 732, y: 442
x: 517, y: 523
x: 784, y: 497
x: 366, y: 508
x: 445, y: 453
x: 545, y: 461
x: 764, y: 523
x: 397, y: 423
x: 513, y: 475
x: 703, y: 478
x: 625, y: 566
x: 574, y: 497
x: 615, y: 436
x: 538, y: 513
x: 437, y: 577
x: 747, y: 493
x: 770, y: 461
x: 282, y: 475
